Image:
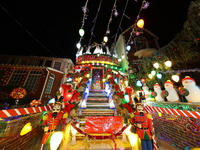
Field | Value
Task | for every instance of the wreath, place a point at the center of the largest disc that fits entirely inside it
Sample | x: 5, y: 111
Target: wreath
x: 165, y: 93
x: 154, y: 94
x: 183, y: 91
x: 18, y: 93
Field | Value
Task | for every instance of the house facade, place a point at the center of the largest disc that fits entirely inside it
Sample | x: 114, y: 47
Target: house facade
x: 40, y: 76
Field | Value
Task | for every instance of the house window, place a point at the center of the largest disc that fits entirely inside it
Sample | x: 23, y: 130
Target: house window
x: 12, y: 60
x: 57, y: 65
x: 50, y: 84
x: 41, y: 63
x: 2, y: 73
x: 48, y: 63
x: 23, y: 62
x: 17, y: 77
x: 33, y: 80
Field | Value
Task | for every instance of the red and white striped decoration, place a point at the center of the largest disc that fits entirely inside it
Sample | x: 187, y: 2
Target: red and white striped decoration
x: 186, y: 113
x: 23, y: 111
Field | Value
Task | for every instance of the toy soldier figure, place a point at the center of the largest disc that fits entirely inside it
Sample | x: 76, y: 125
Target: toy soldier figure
x: 142, y: 123
x: 52, y: 122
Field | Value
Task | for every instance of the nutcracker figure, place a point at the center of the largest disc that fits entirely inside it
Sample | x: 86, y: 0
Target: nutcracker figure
x: 142, y: 123
x: 52, y: 122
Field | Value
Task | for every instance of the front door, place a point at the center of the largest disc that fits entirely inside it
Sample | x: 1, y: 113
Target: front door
x: 97, y: 76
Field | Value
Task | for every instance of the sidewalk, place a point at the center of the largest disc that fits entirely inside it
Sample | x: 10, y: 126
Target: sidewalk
x: 162, y: 145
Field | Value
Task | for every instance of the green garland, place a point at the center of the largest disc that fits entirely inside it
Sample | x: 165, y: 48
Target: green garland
x: 180, y: 50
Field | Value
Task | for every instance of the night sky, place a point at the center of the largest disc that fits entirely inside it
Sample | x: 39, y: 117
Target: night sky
x: 50, y: 28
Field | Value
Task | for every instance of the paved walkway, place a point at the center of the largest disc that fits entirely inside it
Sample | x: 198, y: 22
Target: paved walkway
x: 164, y: 145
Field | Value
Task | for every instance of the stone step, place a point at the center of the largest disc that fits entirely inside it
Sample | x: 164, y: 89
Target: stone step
x: 97, y: 110
x: 97, y: 98
x: 97, y: 101
x: 98, y: 107
x: 97, y: 94
x: 97, y: 91
x: 97, y: 104
x: 98, y: 114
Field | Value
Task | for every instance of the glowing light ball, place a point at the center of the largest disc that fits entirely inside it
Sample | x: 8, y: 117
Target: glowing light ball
x: 159, y: 75
x: 69, y: 96
x: 138, y: 83
x: 105, y: 39
x: 128, y: 47
x: 81, y: 32
x: 156, y: 65
x: 88, y: 75
x: 140, y: 23
x: 27, y: 128
x: 159, y: 114
x: 126, y: 97
x: 153, y: 72
x: 55, y: 140
x: 133, y: 138
x: 175, y: 78
x: 143, y: 80
x: 78, y: 45
x: 150, y: 76
x: 168, y: 63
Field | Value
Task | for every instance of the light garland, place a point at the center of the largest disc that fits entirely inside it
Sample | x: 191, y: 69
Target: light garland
x: 114, y: 10
x: 145, y: 5
x: 181, y: 71
x: 85, y: 10
x: 95, y: 19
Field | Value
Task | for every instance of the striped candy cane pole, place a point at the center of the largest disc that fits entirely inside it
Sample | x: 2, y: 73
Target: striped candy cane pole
x: 186, y: 113
x: 155, y: 147
x: 23, y: 111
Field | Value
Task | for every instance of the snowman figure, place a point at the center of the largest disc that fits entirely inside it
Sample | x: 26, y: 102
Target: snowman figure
x: 158, y: 91
x: 172, y: 93
x: 146, y: 91
x: 194, y: 91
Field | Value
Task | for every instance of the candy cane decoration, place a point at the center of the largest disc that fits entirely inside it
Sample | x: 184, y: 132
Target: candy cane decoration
x: 186, y: 113
x: 23, y: 111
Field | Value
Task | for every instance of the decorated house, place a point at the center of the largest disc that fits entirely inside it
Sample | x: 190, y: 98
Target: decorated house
x: 105, y: 102
x: 39, y: 76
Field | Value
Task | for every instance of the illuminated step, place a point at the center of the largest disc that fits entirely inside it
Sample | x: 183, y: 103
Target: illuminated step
x: 97, y: 94
x: 97, y: 104
x: 97, y: 98
x: 98, y: 110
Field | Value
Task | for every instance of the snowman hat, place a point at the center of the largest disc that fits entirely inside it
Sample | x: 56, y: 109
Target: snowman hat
x: 169, y: 82
x: 188, y: 78
x: 156, y: 84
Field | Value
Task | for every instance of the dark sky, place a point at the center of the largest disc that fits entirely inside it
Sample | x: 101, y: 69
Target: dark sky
x: 50, y: 28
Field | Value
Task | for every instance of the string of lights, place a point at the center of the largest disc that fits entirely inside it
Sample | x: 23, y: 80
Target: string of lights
x: 119, y: 27
x: 114, y: 11
x: 27, y: 31
x: 81, y: 31
x: 47, y: 29
x: 145, y: 5
x: 94, y: 23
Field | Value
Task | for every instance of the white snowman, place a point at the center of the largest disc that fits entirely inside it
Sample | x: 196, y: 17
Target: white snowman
x: 146, y: 91
x: 157, y: 89
x: 172, y: 93
x: 194, y: 91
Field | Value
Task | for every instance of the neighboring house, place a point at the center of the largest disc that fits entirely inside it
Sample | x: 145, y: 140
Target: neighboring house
x: 138, y: 39
x: 41, y: 76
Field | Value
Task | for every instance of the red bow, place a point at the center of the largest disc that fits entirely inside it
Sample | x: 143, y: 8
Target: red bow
x: 75, y: 96
x: 128, y: 107
x: 68, y: 107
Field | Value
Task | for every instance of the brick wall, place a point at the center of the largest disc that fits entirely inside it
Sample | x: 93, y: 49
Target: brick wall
x: 178, y: 131
x: 29, y: 141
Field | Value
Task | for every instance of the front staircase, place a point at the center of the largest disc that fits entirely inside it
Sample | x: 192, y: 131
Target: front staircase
x: 97, y: 104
